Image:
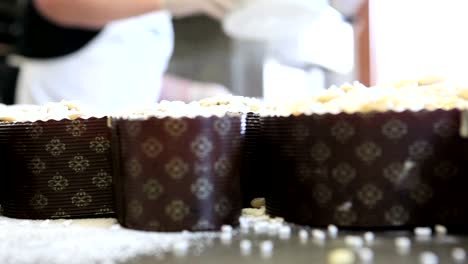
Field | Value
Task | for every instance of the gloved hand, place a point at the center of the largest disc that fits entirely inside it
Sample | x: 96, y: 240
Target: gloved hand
x: 214, y: 8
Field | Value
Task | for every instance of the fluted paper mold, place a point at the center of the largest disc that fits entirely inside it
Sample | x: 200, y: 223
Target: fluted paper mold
x: 56, y: 169
x: 368, y: 170
x: 178, y: 174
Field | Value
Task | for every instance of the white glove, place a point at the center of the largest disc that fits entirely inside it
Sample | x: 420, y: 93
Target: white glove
x: 214, y: 8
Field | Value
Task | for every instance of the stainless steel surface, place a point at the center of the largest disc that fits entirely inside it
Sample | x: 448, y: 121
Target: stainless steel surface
x: 294, y: 251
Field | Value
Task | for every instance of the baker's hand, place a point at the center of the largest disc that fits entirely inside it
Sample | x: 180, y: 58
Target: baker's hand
x: 214, y: 8
x: 175, y: 88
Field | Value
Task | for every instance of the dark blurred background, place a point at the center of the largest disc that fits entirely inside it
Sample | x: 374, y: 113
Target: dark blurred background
x: 10, y: 11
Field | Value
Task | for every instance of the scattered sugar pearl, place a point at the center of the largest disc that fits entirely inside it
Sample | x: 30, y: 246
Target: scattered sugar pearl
x: 354, y: 241
x: 440, y: 230
x: 273, y: 228
x: 68, y: 222
x: 266, y: 248
x: 332, y: 231
x: 369, y: 237
x: 403, y: 245
x: 319, y: 235
x: 423, y: 231
x: 284, y: 232
x: 303, y: 235
x: 341, y: 256
x: 180, y: 248
x: 459, y: 255
x: 245, y: 224
x: 278, y: 220
x: 260, y: 227
x: 245, y: 247
x: 402, y: 242
x: 428, y: 257
x: 226, y: 228
x: 366, y: 255
x: 226, y: 238
x: 244, y: 221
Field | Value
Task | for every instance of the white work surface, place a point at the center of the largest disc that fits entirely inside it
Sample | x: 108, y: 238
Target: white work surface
x: 85, y: 241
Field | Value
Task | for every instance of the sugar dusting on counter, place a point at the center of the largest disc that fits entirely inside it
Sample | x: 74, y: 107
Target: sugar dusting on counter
x: 85, y: 241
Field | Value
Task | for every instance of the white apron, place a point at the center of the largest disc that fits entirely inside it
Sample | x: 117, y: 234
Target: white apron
x: 120, y: 68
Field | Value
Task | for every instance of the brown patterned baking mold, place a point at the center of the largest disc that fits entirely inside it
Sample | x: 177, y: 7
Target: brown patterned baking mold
x: 56, y: 169
x: 376, y: 170
x: 176, y: 174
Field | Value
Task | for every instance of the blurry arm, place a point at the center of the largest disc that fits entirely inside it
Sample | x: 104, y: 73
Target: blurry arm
x: 93, y: 13
x: 175, y: 88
